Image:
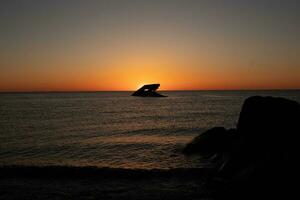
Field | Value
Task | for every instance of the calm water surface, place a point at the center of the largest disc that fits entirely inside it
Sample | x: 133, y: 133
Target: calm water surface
x: 113, y: 129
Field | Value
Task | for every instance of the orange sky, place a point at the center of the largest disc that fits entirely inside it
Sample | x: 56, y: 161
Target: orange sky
x: 121, y: 45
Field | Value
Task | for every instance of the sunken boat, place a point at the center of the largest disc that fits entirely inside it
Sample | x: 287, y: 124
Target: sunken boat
x: 148, y: 91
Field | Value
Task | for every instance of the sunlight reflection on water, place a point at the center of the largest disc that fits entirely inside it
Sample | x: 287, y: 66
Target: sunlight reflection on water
x: 113, y: 129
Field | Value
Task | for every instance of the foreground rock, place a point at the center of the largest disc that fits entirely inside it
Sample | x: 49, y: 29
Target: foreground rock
x: 263, y: 159
x: 215, y: 140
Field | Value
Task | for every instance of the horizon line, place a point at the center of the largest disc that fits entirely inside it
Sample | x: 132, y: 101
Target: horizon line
x: 180, y: 90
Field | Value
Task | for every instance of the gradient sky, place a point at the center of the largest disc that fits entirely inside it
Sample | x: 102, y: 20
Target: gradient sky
x: 119, y: 45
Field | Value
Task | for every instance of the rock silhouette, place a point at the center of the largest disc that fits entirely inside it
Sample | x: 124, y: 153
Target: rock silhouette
x: 215, y: 140
x: 148, y: 91
x: 263, y: 158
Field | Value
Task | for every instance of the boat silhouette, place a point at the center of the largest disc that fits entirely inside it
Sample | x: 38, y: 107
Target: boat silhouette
x: 148, y: 91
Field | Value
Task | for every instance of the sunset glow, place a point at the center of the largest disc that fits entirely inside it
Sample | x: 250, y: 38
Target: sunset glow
x: 108, y: 45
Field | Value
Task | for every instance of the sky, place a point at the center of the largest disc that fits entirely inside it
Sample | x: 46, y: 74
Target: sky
x: 86, y: 45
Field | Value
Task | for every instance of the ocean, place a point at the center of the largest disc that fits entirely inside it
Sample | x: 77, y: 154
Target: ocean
x: 114, y: 129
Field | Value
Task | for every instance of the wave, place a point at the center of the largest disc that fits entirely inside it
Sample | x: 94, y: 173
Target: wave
x: 57, y: 172
x: 162, y: 131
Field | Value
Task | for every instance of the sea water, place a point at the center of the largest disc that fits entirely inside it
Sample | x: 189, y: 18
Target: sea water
x: 114, y: 129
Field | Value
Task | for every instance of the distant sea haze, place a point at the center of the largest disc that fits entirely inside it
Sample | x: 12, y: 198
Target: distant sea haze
x: 114, y: 129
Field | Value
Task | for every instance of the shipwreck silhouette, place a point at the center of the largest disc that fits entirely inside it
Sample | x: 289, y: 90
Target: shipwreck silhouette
x: 148, y: 91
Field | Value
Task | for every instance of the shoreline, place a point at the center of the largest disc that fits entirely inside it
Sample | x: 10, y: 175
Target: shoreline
x: 65, y: 182
x: 27, y: 171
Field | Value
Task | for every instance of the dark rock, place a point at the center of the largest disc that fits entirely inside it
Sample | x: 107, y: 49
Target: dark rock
x: 268, y: 129
x: 269, y: 125
x: 262, y: 153
x: 265, y: 158
x: 215, y: 140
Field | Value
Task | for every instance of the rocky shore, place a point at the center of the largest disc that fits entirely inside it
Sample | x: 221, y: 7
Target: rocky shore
x: 259, y: 157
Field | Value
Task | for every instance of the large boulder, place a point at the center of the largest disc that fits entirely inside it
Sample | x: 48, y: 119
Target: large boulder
x: 269, y: 125
x: 268, y: 129
x: 212, y: 141
x: 265, y: 159
x: 262, y: 153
